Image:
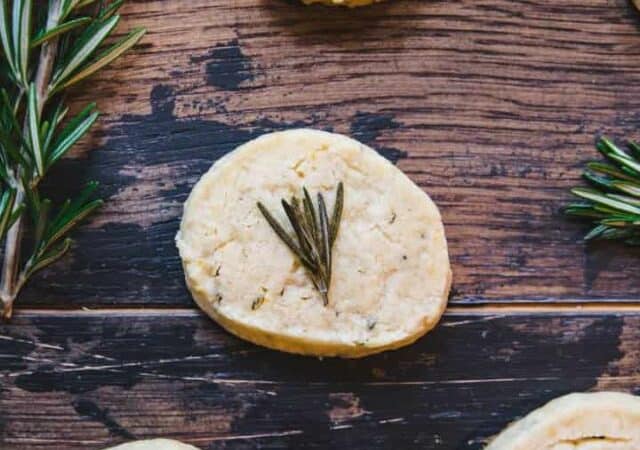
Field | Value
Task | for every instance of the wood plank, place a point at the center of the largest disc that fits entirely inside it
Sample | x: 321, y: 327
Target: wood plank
x: 83, y: 380
x: 491, y: 106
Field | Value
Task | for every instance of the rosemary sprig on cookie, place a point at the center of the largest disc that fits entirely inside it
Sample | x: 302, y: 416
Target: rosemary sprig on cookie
x: 613, y: 202
x: 313, y: 234
x: 45, y: 47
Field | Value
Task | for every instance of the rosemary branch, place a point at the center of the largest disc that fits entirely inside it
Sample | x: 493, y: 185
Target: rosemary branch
x: 69, y: 35
x: 8, y: 283
x: 313, y: 235
x: 612, y: 204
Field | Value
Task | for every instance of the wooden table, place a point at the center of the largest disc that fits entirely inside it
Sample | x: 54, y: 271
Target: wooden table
x: 491, y: 106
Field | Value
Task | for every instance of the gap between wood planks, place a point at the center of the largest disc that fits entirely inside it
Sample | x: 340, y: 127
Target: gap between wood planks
x: 484, y: 309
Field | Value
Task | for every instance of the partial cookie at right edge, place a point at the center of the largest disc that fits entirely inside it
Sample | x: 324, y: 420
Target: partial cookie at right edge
x: 591, y: 421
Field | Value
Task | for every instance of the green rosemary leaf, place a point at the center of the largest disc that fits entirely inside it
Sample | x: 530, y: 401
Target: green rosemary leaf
x: 325, y: 246
x: 584, y: 210
x: 4, y: 174
x: 310, y: 214
x: 283, y: 235
x: 608, y: 169
x: 65, y: 8
x: 107, y: 57
x: 299, y: 221
x: 621, y: 221
x: 4, y: 37
x: 88, y: 32
x: 595, y: 232
x: 13, y: 153
x: 597, y: 197
x: 42, y: 222
x: 626, y: 187
x: 110, y: 10
x: 70, y: 5
x: 60, y: 113
x: 606, y: 209
x: 11, y: 128
x: 627, y: 162
x: 34, y: 132
x: 6, y: 207
x: 5, y: 142
x: 12, y: 107
x: 75, y: 121
x: 608, y: 148
x: 44, y: 130
x: 63, y: 226
x: 337, y: 213
x: 23, y: 36
x: 32, y: 199
x: 80, y: 200
x: 597, y: 180
x: 65, y: 43
x: 15, y: 215
x: 616, y: 233
x: 61, y: 147
x: 82, y: 3
x: 49, y: 257
x: 635, y: 149
x: 83, y: 53
x: 56, y: 118
x: 16, y: 15
x: 60, y: 29
x: 626, y: 199
x: 290, y: 211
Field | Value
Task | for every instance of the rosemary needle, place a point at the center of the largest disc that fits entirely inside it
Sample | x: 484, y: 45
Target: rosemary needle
x: 612, y: 204
x: 313, y: 234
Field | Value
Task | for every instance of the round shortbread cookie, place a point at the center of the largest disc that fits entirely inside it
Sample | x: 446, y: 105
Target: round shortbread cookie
x: 593, y: 421
x: 391, y: 273
x: 154, y: 444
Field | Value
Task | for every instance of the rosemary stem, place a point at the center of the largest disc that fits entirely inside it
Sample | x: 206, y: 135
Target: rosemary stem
x: 11, y: 259
x: 9, y: 284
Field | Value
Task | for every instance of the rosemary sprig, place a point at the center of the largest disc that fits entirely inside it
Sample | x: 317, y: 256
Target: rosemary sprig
x: 313, y: 234
x: 45, y: 47
x: 613, y: 202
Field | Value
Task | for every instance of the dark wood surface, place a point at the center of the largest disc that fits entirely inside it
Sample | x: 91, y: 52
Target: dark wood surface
x: 491, y: 106
x: 86, y: 380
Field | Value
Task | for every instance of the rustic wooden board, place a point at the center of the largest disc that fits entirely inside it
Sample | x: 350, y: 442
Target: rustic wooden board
x: 84, y: 380
x: 491, y: 106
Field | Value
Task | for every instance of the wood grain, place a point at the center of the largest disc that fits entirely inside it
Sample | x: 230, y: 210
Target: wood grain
x: 491, y: 106
x: 85, y: 380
